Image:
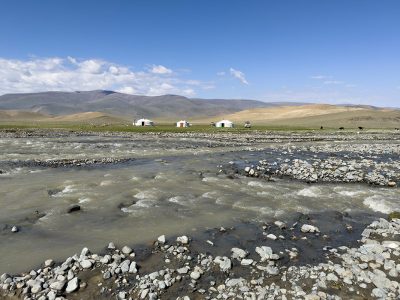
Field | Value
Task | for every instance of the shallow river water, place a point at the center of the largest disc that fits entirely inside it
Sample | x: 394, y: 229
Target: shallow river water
x: 171, y: 186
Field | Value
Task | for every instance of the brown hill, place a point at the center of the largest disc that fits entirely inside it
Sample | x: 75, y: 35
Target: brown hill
x: 13, y: 116
x: 315, y: 115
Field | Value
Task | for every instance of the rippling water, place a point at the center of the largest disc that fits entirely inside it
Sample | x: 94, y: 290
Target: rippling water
x: 173, y: 186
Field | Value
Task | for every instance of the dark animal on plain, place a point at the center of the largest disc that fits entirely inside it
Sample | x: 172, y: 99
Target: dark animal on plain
x: 397, y: 129
x: 360, y: 127
x: 341, y: 128
x: 322, y: 127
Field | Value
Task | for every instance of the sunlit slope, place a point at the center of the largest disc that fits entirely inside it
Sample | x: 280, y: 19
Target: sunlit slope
x: 97, y: 118
x: 310, y: 116
x: 16, y: 115
x: 316, y: 115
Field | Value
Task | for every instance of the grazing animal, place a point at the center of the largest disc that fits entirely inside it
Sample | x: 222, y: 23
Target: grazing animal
x: 341, y: 128
x: 397, y: 129
x: 360, y: 127
x: 322, y: 127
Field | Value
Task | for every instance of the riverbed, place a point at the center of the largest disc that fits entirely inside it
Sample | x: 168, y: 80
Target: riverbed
x: 130, y: 189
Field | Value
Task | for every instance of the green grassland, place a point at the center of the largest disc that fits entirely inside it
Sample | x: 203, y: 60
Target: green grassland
x: 160, y: 128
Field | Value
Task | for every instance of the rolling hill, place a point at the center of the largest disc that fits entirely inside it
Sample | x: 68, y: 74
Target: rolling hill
x: 316, y: 115
x: 107, y: 107
x: 167, y: 107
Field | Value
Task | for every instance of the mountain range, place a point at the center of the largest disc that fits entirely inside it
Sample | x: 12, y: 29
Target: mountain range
x: 108, y: 107
x: 133, y: 106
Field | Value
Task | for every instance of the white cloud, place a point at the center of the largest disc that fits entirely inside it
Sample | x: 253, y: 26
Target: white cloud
x: 72, y: 74
x: 333, y: 82
x: 320, y: 77
x: 239, y: 75
x: 160, y: 70
x: 329, y: 80
x: 222, y: 73
x: 127, y: 90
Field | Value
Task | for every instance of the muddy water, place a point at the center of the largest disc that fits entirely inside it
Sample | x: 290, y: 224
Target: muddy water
x: 172, y: 186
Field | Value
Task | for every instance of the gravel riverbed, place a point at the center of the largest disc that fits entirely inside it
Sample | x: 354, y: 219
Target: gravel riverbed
x: 258, y: 215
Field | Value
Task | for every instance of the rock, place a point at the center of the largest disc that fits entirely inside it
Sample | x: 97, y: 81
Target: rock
x: 183, y: 270
x: 86, y: 264
x: 224, y: 263
x: 280, y: 224
x: 312, y: 297
x: 162, y: 285
x: 391, y: 244
x: 105, y: 259
x: 57, y: 285
x: 133, y: 268
x: 272, y: 270
x: 74, y: 208
x: 36, y: 287
x: 122, y: 295
x: 332, y: 277
x: 85, y: 252
x: 51, y: 295
x: 107, y: 275
x: 238, y: 253
x: 246, y: 262
x: 195, y: 275
x: 111, y: 246
x: 72, y: 285
x: 391, y: 184
x: 379, y: 293
x: 144, y: 293
x: 3, y: 277
x: 161, y: 239
x: 126, y: 250
x: 49, y: 263
x: 154, y: 275
x: 14, y: 229
x: 184, y: 240
x: 272, y: 236
x: 293, y: 254
x: 309, y: 228
x: 266, y: 253
x: 234, y: 282
x: 124, y: 266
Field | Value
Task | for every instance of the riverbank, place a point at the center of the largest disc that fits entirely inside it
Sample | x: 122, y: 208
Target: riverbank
x: 303, y: 259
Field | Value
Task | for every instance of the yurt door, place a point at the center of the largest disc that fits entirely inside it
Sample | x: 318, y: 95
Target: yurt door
x: 142, y: 123
x: 180, y: 124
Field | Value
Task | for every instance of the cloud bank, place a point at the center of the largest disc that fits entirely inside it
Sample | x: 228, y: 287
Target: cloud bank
x: 73, y: 74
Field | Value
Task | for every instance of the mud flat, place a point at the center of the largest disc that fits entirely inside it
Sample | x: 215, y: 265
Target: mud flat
x: 258, y: 215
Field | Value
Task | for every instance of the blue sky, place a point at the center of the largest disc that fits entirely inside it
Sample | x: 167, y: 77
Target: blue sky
x: 310, y: 51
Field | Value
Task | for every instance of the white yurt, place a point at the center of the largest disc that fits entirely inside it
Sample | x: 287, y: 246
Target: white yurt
x: 224, y: 123
x: 182, y: 123
x: 143, y: 122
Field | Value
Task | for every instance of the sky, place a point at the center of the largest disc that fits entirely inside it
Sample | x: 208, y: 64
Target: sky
x: 338, y: 51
